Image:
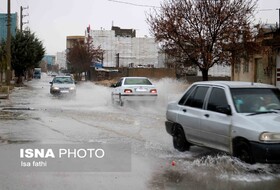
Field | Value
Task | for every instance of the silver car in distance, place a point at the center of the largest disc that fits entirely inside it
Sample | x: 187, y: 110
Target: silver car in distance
x: 63, y: 85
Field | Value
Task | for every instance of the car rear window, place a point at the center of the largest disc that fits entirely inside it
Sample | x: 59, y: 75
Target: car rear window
x: 137, y: 81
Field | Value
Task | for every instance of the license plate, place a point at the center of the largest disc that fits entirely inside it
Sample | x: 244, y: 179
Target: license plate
x: 64, y: 91
x: 141, y: 90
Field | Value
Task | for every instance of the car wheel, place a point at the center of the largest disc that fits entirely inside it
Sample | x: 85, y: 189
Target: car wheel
x: 243, y: 152
x: 179, y: 140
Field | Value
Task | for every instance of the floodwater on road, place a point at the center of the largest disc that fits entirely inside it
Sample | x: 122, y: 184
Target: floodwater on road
x: 39, y: 118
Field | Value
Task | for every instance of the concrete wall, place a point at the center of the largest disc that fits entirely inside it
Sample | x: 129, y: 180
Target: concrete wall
x: 278, y: 70
x: 218, y: 71
x: 131, y: 51
x: 152, y: 72
x: 242, y: 73
x: 156, y: 73
x: 192, y: 79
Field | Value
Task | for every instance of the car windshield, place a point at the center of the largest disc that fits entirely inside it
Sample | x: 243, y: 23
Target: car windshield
x: 255, y: 100
x: 137, y: 81
x: 63, y: 80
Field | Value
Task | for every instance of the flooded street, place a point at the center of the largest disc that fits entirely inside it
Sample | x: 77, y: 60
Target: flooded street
x: 33, y: 116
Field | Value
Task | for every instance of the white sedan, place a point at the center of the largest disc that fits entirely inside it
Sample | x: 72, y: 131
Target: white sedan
x: 133, y: 89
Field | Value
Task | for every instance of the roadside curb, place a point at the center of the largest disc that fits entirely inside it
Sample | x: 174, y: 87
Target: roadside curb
x: 4, y: 92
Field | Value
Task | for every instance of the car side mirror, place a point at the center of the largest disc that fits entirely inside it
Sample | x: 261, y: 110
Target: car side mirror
x: 224, y: 109
x: 51, y: 82
x: 113, y: 85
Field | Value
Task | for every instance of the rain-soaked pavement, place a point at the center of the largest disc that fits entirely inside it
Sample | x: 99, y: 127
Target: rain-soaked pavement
x: 33, y: 117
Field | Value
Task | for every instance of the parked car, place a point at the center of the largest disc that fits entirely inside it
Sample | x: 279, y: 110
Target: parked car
x: 133, y: 89
x: 63, y: 85
x: 239, y: 118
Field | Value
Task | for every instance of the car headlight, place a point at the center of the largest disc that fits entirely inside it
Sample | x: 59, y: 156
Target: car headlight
x: 55, y: 88
x: 270, y: 137
x: 72, y: 88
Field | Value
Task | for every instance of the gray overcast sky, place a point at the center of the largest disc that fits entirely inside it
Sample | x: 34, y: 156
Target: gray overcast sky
x: 53, y: 20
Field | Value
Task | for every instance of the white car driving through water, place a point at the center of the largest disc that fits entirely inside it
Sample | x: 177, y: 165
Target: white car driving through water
x: 133, y: 89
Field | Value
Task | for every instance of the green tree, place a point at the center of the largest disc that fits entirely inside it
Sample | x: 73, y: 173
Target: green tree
x: 27, y: 51
x: 82, y: 55
x: 204, y: 32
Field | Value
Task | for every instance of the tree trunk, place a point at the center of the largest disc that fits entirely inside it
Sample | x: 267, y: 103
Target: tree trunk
x: 19, y: 74
x: 19, y: 80
x: 204, y: 74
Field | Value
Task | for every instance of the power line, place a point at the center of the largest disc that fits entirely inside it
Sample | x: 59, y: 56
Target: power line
x: 277, y: 9
x: 268, y: 9
x: 134, y: 4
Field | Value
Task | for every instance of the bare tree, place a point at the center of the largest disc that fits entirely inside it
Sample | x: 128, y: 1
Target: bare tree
x: 82, y: 55
x: 204, y: 32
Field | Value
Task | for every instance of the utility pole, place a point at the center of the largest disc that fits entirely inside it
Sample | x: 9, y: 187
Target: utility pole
x: 118, y: 60
x: 279, y: 18
x: 22, y: 16
x: 8, y: 45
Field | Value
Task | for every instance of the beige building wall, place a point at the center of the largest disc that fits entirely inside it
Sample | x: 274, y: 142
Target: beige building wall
x: 244, y: 71
x: 260, y: 68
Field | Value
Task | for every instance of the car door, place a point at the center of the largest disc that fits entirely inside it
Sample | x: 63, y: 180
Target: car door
x: 190, y: 113
x: 215, y: 126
